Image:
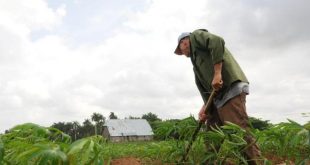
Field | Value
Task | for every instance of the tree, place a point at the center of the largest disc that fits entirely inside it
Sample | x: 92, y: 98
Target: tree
x: 150, y: 117
x: 259, y: 124
x: 132, y: 117
x: 87, y: 128
x: 112, y: 116
x: 63, y: 126
x: 307, y: 126
x: 99, y: 120
x: 70, y: 128
x: 76, y: 129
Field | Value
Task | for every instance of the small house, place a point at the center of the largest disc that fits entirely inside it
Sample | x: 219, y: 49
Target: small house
x: 119, y: 130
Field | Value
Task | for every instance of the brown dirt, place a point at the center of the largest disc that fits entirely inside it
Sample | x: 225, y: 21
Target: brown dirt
x: 135, y: 161
x: 126, y: 161
x: 281, y: 160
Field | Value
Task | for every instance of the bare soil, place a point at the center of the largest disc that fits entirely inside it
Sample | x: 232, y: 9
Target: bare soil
x: 126, y: 161
x: 136, y: 161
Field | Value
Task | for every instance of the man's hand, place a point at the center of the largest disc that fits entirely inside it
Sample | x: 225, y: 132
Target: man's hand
x: 202, y: 115
x: 217, y: 82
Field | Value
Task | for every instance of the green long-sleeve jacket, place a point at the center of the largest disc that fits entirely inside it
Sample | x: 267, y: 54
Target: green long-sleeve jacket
x: 208, y: 49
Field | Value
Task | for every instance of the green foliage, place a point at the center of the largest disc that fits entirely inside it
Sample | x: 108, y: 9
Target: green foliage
x: 99, y: 120
x: 47, y: 153
x: 132, y: 117
x: 307, y: 126
x: 218, y: 146
x: 226, y: 143
x: 112, y: 116
x: 150, y: 117
x: 186, y: 128
x: 33, y: 133
x: 70, y: 128
x: 1, y: 151
x: 165, y: 130
x: 56, y: 135
x: 259, y: 124
x: 29, y: 130
x: 77, y: 131
x: 33, y: 144
x: 175, y: 129
x: 287, y: 140
x: 290, y: 140
x: 86, y: 151
x: 148, y: 150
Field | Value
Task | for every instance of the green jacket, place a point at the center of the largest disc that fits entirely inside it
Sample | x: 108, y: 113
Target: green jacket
x: 206, y: 50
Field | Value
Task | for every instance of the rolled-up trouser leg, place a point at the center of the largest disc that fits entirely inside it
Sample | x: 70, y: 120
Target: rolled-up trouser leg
x: 234, y: 111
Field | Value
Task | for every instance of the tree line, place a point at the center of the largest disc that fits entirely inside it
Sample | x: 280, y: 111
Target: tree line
x: 94, y: 124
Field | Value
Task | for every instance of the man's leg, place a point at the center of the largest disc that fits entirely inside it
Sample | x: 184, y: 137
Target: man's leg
x: 235, y: 111
x: 213, y: 119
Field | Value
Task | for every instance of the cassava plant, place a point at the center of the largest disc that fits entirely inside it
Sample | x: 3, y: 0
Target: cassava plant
x: 31, y: 144
x: 288, y: 140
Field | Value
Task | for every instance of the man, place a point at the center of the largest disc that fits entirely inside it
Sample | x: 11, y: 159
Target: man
x: 215, y: 68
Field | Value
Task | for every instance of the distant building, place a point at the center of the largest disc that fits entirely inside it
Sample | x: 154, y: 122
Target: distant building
x: 127, y: 130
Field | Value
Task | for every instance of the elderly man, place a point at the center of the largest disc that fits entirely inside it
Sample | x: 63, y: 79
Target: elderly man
x: 215, y: 68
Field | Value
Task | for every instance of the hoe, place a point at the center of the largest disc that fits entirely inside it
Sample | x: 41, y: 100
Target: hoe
x: 184, y: 158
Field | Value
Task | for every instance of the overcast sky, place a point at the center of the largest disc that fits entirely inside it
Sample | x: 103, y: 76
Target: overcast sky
x: 63, y: 60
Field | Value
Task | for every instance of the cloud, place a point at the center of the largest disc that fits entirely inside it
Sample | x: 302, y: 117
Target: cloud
x: 261, y: 23
x: 280, y: 84
x: 129, y: 67
x: 21, y: 89
x: 22, y: 17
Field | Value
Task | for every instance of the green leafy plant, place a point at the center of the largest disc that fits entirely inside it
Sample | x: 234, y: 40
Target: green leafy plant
x: 1, y: 151
x: 226, y: 143
x: 49, y: 154
x: 33, y: 144
x: 175, y: 129
x: 288, y: 140
x: 86, y: 151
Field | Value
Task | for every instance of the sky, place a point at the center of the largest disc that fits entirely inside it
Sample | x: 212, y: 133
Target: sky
x: 61, y: 61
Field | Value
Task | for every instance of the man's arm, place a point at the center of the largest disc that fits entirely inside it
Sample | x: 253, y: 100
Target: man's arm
x: 217, y: 81
x: 217, y: 84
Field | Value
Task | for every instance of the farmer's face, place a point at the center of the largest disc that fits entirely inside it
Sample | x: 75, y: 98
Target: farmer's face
x: 184, y: 46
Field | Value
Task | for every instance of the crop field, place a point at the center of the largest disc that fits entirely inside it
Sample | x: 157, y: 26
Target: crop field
x: 31, y: 144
